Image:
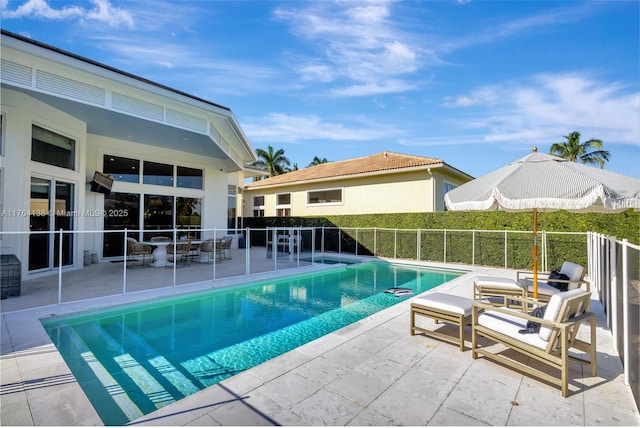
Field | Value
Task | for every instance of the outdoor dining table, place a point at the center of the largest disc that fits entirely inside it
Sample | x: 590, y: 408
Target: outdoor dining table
x: 160, y: 256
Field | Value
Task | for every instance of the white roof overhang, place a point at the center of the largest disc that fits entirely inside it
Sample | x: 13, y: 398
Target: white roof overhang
x: 119, y: 105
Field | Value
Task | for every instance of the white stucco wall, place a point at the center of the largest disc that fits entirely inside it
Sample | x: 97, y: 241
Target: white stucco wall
x: 20, y: 111
x: 389, y: 193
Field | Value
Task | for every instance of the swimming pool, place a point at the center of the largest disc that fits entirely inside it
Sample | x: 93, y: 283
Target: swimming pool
x: 134, y: 359
x: 332, y: 260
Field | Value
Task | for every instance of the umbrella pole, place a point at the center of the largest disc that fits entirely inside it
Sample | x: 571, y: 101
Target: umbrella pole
x: 535, y: 253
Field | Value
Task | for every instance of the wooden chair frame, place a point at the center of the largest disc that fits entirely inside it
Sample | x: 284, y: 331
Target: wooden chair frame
x: 556, y: 355
x: 437, y: 314
x: 486, y: 291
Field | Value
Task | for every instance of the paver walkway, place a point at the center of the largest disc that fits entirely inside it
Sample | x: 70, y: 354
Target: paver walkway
x: 372, y: 372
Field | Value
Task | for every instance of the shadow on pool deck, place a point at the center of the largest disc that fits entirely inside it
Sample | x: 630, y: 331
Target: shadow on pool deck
x: 372, y: 372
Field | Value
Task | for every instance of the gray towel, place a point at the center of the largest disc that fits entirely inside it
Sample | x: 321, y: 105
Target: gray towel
x: 532, y: 326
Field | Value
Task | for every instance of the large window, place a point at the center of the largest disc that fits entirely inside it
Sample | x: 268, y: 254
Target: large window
x: 122, y: 169
x: 159, y: 174
x: 191, y: 178
x: 122, y: 211
x: 329, y: 196
x: 283, y: 205
x: 188, y: 215
x: 52, y: 148
x: 258, y: 206
x: 284, y: 199
x: 158, y: 215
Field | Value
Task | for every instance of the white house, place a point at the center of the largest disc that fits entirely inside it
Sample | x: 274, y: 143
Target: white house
x: 69, y: 124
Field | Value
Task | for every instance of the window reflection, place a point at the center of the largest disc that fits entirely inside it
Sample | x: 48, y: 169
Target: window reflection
x: 189, y: 216
x: 158, y: 215
x: 159, y: 174
x: 122, y: 169
x: 190, y: 178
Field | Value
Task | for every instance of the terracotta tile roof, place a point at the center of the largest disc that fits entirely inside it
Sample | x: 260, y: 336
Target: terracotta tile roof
x: 378, y: 163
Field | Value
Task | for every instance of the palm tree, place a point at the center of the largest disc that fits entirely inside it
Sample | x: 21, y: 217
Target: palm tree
x: 583, y: 153
x: 317, y: 161
x: 275, y: 162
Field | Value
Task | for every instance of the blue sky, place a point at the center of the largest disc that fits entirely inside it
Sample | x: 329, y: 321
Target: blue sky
x: 475, y: 83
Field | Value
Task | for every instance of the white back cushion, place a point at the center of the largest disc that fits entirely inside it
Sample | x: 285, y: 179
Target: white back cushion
x: 553, y: 310
x: 574, y: 271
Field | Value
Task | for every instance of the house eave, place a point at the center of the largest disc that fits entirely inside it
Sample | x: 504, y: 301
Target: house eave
x: 257, y: 186
x: 146, y: 112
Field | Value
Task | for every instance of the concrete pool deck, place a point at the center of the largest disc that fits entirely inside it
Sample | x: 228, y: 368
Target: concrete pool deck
x: 372, y: 372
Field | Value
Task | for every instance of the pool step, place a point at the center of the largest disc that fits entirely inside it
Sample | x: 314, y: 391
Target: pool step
x: 149, y: 386
x: 162, y: 365
x: 119, y: 395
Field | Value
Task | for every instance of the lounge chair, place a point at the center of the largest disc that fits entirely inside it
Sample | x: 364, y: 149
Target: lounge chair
x: 574, y: 271
x: 135, y: 249
x: 564, y: 315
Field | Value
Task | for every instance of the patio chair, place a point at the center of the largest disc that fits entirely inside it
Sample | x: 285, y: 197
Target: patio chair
x: 182, y: 250
x: 226, y: 247
x: 135, y: 249
x: 211, y: 247
x: 564, y: 315
x: 574, y: 272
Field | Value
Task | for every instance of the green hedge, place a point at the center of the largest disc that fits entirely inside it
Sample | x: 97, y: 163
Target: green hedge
x: 625, y: 225
x: 486, y: 247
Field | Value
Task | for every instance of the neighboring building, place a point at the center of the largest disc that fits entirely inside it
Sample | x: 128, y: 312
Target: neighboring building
x: 382, y: 183
x: 176, y: 159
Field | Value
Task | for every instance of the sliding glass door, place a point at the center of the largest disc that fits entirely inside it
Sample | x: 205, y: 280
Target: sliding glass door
x: 51, y: 209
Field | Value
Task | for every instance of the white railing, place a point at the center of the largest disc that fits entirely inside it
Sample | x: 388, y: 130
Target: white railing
x: 614, y: 267
x: 506, y: 249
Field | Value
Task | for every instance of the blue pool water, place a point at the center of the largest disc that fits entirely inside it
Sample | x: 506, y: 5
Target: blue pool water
x: 331, y: 260
x: 135, y: 359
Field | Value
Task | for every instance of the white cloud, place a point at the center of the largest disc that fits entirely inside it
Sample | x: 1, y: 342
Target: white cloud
x: 456, y: 140
x: 356, y: 45
x: 315, y: 72
x: 103, y: 11
x: 369, y: 88
x: 493, y: 29
x: 484, y: 96
x: 284, y: 128
x: 149, y: 57
x: 548, y: 106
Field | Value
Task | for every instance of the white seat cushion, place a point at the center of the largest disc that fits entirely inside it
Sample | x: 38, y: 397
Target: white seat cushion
x: 445, y: 302
x: 543, y: 287
x: 509, y: 326
x: 497, y: 282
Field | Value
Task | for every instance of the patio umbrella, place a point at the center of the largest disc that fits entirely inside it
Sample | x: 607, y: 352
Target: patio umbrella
x: 541, y: 182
